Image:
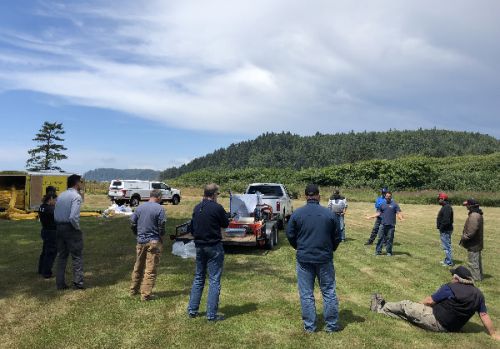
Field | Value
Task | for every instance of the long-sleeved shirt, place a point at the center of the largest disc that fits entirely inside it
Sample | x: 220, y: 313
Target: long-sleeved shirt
x: 313, y: 231
x: 208, y: 219
x: 68, y: 208
x: 379, y: 201
x: 444, y: 221
x: 150, y: 219
x: 46, y: 214
x: 472, y: 236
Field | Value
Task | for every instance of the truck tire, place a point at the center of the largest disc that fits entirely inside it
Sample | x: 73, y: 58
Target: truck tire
x: 135, y: 200
x: 281, y: 223
x: 176, y: 199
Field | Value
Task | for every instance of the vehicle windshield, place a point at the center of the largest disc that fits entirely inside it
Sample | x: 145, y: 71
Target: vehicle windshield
x: 266, y: 190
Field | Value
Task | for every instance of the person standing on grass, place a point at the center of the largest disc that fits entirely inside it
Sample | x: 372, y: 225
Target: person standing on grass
x: 209, y: 218
x: 69, y: 235
x: 338, y: 205
x: 148, y: 223
x: 314, y: 232
x: 447, y: 310
x: 444, y: 223
x: 387, y: 211
x: 48, y: 233
x: 472, y: 238
x: 378, y: 201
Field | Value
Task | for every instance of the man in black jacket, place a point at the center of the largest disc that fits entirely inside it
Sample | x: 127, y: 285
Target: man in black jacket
x: 49, y: 247
x: 447, y: 310
x: 444, y: 224
x: 209, y: 218
x: 314, y: 232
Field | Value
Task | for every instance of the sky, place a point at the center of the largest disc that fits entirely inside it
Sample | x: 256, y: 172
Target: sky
x: 154, y: 84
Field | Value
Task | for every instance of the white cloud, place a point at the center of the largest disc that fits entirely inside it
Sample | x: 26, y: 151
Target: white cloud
x: 266, y: 65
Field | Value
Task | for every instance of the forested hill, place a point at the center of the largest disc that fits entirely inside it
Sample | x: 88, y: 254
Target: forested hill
x: 286, y: 150
x: 108, y: 174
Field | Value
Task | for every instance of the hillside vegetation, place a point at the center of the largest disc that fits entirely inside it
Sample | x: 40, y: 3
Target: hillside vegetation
x: 476, y: 173
x: 108, y: 174
x: 286, y: 150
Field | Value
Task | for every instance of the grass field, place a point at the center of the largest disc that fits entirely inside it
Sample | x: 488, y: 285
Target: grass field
x: 259, y: 295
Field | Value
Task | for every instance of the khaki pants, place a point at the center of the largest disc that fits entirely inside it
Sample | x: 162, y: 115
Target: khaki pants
x: 476, y: 265
x: 416, y: 313
x: 145, y: 268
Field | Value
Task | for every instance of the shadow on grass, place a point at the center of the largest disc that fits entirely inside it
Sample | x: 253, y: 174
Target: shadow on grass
x: 472, y: 327
x: 347, y: 317
x: 172, y: 293
x: 230, y: 311
x: 399, y: 253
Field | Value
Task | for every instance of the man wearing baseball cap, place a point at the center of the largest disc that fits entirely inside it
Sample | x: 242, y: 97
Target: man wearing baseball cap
x: 444, y: 223
x: 447, y: 310
x: 472, y: 238
x: 313, y: 230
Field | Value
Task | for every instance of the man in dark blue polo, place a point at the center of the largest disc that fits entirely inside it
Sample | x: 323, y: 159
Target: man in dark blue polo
x: 314, y: 232
x: 388, y: 212
x: 208, y: 219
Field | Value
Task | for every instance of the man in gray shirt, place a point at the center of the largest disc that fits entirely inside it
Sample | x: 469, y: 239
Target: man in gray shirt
x: 148, y: 223
x: 69, y: 235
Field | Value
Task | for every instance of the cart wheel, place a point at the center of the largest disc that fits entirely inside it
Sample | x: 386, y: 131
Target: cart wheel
x: 276, y: 238
x: 270, y: 242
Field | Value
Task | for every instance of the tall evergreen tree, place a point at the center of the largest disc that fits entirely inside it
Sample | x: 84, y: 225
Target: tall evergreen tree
x: 48, y: 151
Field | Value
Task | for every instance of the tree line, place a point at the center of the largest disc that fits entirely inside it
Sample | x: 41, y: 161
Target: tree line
x: 290, y: 151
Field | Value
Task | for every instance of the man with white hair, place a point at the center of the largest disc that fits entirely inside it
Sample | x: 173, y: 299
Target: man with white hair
x: 447, y: 310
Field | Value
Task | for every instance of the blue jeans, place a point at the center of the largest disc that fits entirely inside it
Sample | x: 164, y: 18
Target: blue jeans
x: 446, y: 244
x: 306, y: 275
x: 211, y: 259
x: 385, y: 234
x: 341, y: 226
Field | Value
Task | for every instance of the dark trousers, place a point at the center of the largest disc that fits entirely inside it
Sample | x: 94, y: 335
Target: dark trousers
x: 386, y: 236
x: 69, y: 242
x: 375, y: 230
x: 49, y: 252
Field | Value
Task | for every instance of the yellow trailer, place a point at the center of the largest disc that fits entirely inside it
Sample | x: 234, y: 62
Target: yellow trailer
x: 29, y: 187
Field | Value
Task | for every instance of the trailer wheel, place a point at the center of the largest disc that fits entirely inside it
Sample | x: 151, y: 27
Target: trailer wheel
x: 270, y: 242
x: 276, y: 238
x: 281, y: 224
x: 119, y: 202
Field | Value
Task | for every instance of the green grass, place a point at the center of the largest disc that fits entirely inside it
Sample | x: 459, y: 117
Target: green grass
x: 259, y: 294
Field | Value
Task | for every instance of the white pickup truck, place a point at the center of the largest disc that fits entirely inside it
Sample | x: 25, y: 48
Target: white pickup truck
x: 135, y: 191
x: 275, y: 195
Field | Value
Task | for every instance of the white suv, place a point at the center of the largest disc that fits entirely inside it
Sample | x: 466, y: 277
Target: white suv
x: 134, y: 191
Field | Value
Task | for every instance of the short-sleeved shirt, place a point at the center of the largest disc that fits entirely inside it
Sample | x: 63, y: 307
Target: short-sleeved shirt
x: 388, y: 212
x: 445, y: 292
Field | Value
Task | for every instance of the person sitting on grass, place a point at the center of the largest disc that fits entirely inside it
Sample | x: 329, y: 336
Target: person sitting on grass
x: 447, y: 310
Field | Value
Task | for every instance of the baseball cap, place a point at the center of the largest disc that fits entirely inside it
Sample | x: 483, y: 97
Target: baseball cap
x: 312, y: 189
x: 384, y: 190
x: 443, y: 196
x: 471, y: 202
x: 462, y: 271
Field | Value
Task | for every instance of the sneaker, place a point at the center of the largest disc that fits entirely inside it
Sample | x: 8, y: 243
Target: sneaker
x: 151, y: 297
x: 218, y: 317
x: 389, y: 255
x: 193, y: 315
x: 377, y: 302
x: 133, y: 293
x: 368, y: 243
x: 329, y: 330
x: 378, y: 253
x: 78, y: 286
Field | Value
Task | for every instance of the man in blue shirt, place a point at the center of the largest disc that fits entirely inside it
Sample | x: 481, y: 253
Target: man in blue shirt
x: 447, y: 310
x: 387, y: 211
x: 209, y: 217
x: 314, y: 232
x: 148, y: 223
x: 378, y: 201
